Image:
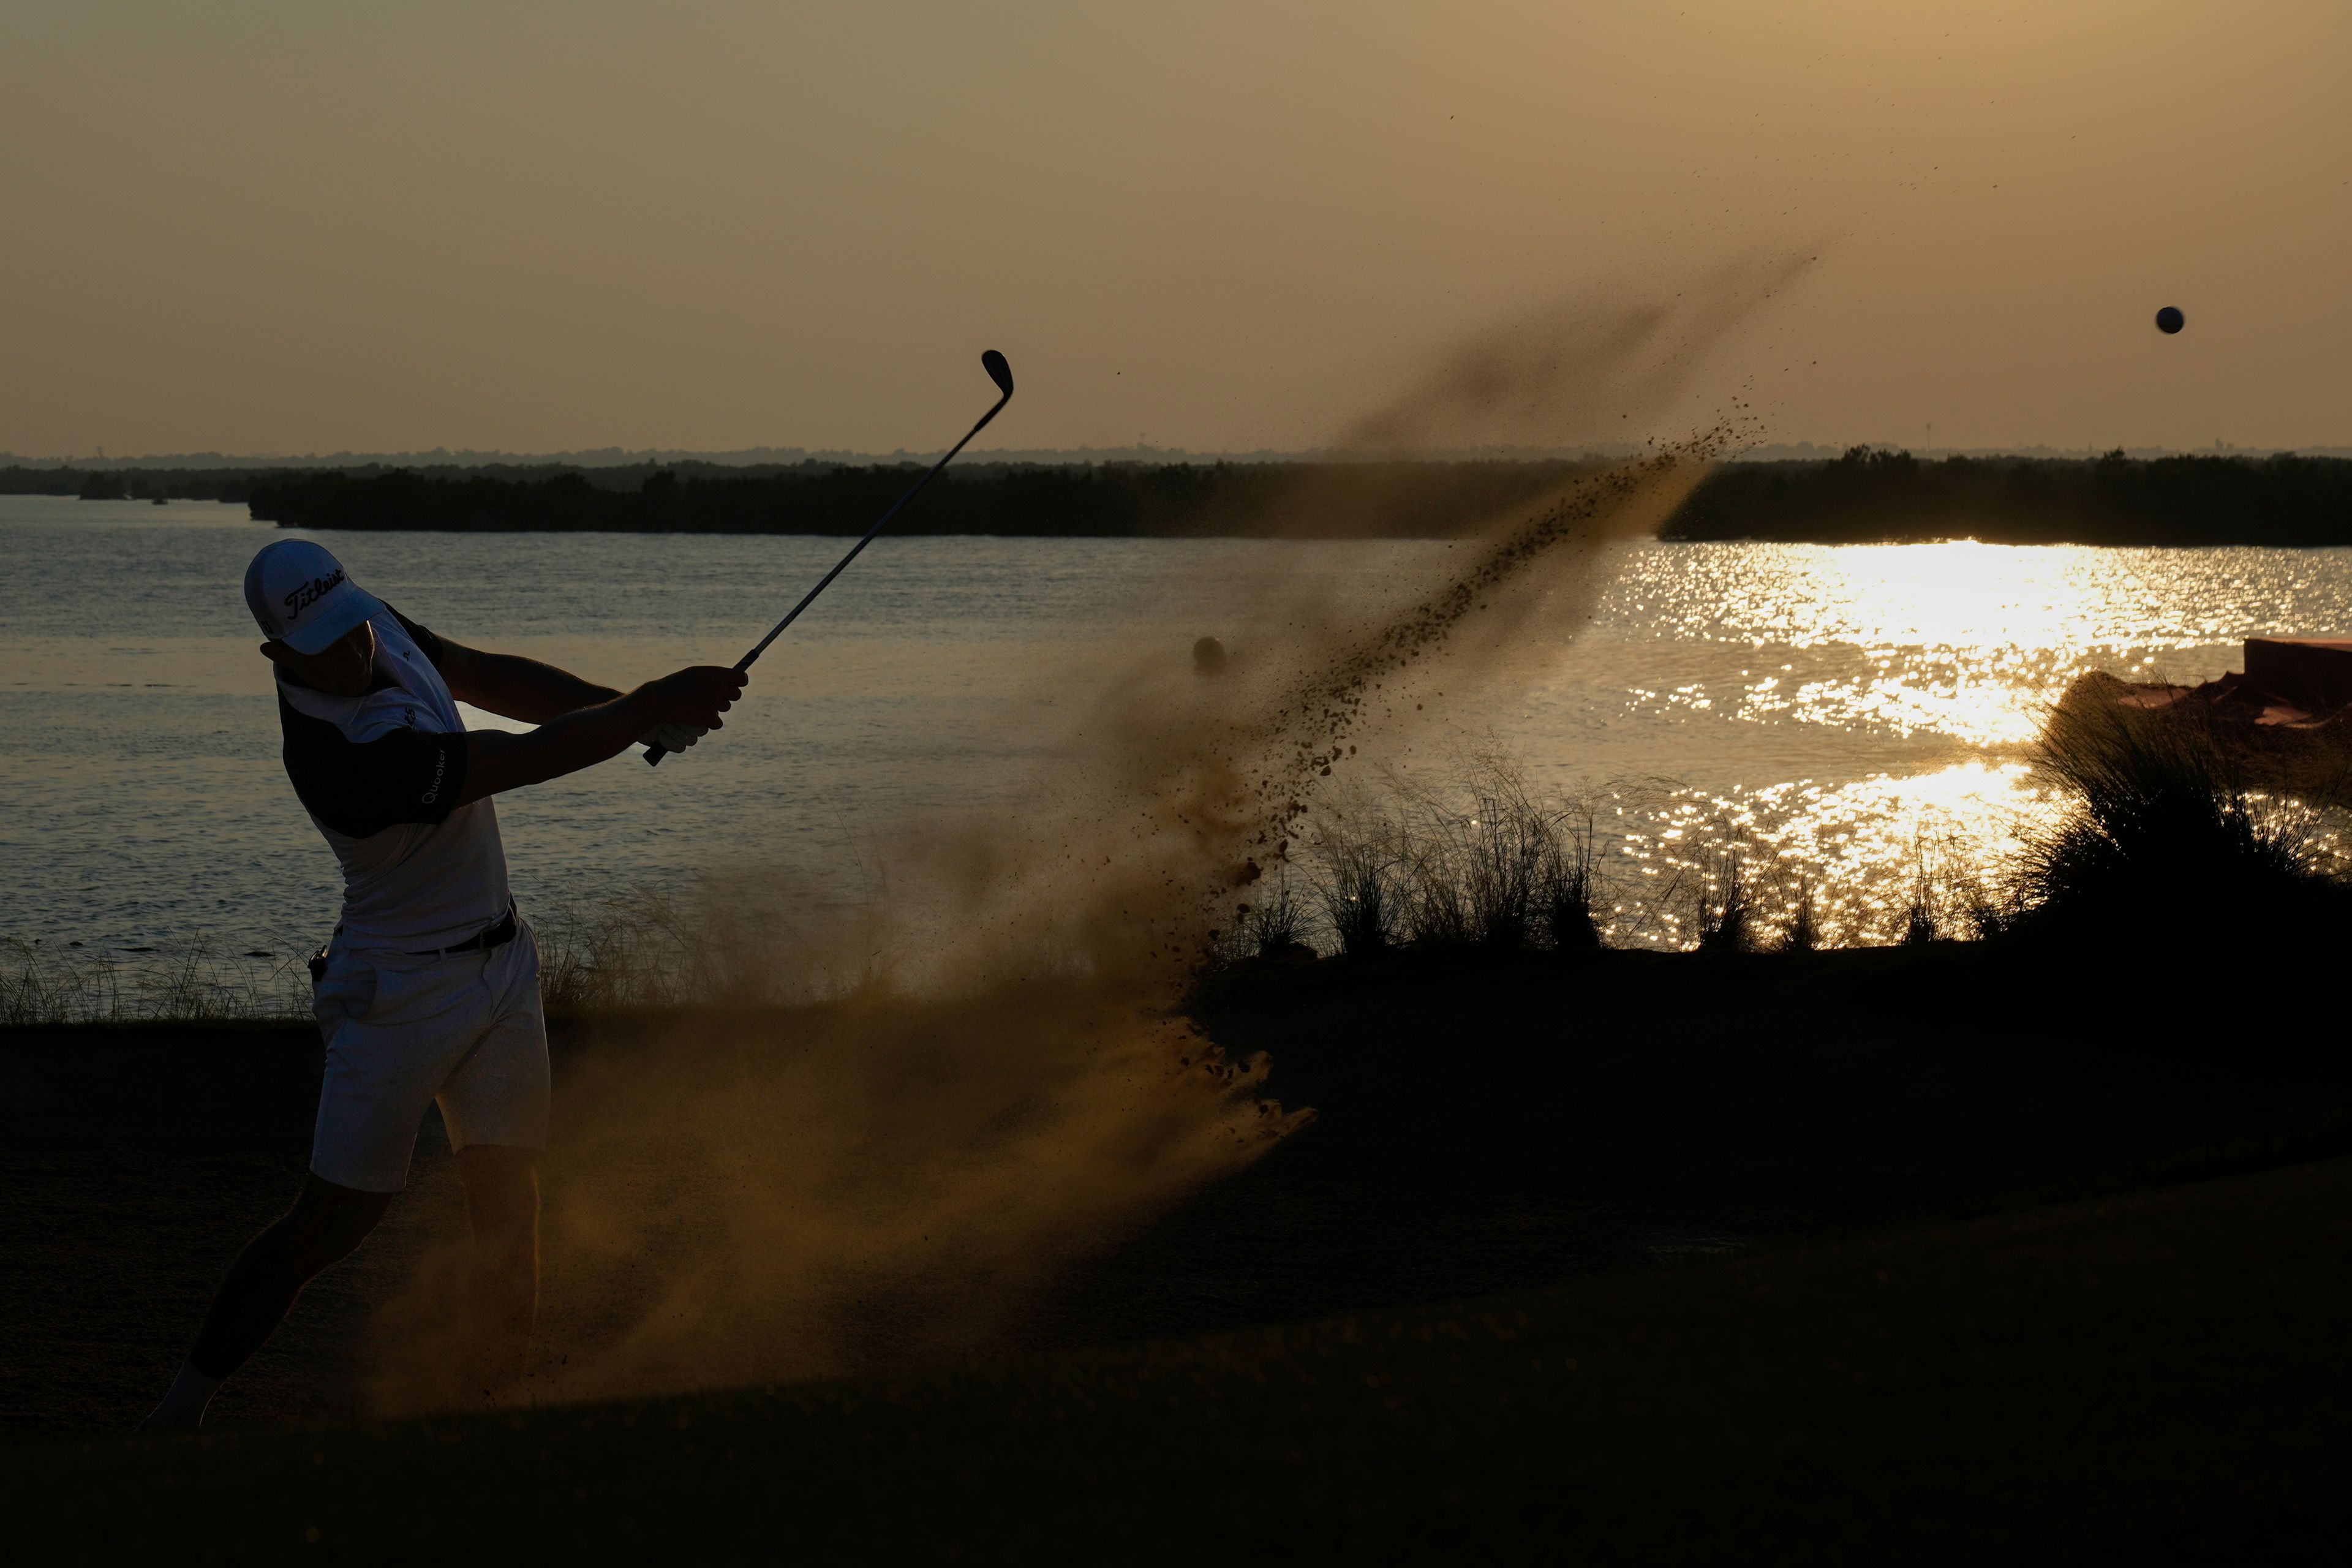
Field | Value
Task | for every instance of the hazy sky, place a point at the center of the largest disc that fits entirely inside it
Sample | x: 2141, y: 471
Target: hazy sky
x: 324, y: 225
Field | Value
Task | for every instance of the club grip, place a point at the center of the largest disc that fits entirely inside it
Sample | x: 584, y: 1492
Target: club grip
x: 655, y: 753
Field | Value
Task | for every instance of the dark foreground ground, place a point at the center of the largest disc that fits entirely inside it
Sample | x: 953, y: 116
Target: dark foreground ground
x: 1714, y: 1220
x: 2162, y: 1376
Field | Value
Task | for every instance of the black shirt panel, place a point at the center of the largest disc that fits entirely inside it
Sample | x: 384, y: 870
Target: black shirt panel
x: 361, y: 788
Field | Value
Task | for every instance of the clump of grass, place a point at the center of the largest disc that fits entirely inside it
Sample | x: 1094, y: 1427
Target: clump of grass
x: 1356, y: 886
x: 58, y: 987
x: 2162, y: 825
x: 1988, y: 910
x: 1485, y: 866
x: 188, y: 987
x: 1436, y: 906
x: 1920, y: 925
x: 1509, y: 842
x: 644, y: 951
x: 1568, y: 885
x: 1436, y: 903
x: 1483, y: 863
x: 1802, y: 932
x: 1923, y: 912
x: 1275, y: 926
x: 1991, y: 918
x: 1275, y: 923
x: 1726, y: 922
x: 188, y: 982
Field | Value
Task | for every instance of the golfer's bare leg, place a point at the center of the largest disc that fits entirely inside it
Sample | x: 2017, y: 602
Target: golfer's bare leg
x: 325, y: 1225
x: 503, y: 1294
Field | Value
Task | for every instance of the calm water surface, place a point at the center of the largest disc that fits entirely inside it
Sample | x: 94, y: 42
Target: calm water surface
x: 1842, y: 707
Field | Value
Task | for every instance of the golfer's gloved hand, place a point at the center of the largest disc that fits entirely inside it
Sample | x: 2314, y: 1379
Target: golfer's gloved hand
x: 674, y: 737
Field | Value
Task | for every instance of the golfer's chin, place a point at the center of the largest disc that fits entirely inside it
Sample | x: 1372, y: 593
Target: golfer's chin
x: 356, y: 684
x: 345, y: 669
x: 351, y: 680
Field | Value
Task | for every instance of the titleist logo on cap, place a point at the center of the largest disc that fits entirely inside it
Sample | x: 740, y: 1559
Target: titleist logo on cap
x: 309, y: 592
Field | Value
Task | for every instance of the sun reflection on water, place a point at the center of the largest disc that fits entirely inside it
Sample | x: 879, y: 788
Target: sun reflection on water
x: 1861, y: 851
x: 1858, y: 721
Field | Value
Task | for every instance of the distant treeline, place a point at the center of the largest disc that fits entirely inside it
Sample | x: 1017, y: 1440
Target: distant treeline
x: 128, y: 484
x: 225, y: 484
x: 1867, y: 496
x: 1099, y: 501
x: 1884, y: 497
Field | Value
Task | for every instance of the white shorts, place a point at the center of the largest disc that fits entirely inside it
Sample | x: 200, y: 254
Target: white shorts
x: 401, y: 1032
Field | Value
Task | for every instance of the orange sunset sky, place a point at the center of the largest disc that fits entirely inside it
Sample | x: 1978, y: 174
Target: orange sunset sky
x: 331, y: 226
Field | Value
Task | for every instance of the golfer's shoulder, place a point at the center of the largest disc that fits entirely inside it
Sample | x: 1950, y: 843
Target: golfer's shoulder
x: 363, y: 771
x: 427, y: 644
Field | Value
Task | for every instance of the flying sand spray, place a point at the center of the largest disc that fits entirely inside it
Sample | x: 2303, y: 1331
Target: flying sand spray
x: 882, y: 1141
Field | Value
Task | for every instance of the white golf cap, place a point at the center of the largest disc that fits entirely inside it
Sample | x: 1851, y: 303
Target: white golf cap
x: 301, y: 595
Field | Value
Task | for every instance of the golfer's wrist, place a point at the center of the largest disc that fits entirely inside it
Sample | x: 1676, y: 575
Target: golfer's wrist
x: 649, y: 707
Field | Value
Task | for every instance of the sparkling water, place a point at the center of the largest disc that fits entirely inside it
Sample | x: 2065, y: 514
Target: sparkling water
x: 1838, y: 709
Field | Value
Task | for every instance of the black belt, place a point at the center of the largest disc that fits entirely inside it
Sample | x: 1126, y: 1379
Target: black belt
x: 497, y: 935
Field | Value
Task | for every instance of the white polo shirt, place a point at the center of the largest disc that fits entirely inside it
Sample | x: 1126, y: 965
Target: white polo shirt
x: 377, y: 774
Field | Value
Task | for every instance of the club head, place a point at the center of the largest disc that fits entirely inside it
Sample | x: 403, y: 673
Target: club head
x: 998, y: 370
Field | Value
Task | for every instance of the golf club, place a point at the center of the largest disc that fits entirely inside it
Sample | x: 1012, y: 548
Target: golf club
x: 1000, y: 373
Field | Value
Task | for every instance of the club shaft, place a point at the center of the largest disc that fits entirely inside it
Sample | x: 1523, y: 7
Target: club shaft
x: 655, y: 753
x: 822, y: 583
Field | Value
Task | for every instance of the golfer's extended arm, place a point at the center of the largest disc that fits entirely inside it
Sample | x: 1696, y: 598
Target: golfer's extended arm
x: 514, y: 687
x: 496, y: 761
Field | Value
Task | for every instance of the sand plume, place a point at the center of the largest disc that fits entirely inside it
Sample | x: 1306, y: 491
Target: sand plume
x: 989, y: 1075
x: 1591, y: 367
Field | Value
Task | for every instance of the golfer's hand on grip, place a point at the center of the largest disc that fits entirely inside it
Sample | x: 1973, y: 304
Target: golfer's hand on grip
x: 671, y: 737
x: 696, y: 696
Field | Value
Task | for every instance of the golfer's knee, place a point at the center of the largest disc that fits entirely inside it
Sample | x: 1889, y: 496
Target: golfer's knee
x: 329, y: 1223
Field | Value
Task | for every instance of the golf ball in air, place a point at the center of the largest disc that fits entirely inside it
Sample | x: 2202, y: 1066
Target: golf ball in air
x: 2170, y: 319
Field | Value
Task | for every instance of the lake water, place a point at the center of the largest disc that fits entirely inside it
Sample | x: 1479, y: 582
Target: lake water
x: 1842, y: 707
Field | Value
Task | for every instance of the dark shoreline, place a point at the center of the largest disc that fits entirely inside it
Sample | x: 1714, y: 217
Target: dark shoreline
x: 1877, y: 497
